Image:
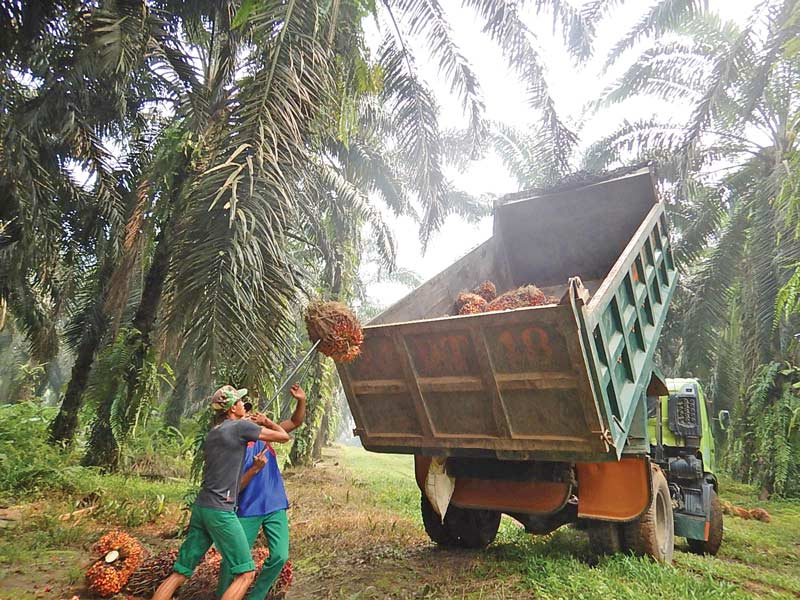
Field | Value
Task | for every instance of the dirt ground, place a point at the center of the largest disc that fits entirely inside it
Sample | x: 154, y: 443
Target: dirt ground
x: 356, y: 534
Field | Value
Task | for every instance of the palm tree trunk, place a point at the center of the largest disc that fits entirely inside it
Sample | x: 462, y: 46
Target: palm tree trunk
x: 103, y: 449
x: 304, y: 439
x: 320, y: 439
x: 176, y: 406
x: 63, y: 427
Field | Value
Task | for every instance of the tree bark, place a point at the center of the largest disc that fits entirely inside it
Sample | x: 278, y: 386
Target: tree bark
x: 103, y: 449
x: 303, y: 446
x: 320, y: 438
x: 176, y: 407
x: 63, y: 427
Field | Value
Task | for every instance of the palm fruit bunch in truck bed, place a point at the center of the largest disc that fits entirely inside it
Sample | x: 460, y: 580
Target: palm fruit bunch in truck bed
x: 527, y: 295
x: 486, y: 290
x: 468, y: 303
x: 484, y: 298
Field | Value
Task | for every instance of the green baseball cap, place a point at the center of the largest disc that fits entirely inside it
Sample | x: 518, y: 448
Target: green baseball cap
x: 226, y: 396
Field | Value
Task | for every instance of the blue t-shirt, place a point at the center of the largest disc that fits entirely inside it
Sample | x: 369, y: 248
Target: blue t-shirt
x: 265, y: 493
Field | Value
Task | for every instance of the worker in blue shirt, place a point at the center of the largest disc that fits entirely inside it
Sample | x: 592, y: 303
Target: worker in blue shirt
x: 263, y: 504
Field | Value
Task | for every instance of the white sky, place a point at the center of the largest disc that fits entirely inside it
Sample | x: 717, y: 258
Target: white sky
x: 571, y: 86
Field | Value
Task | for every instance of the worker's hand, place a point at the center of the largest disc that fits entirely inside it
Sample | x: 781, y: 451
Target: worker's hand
x: 297, y: 392
x: 260, y: 419
x: 260, y: 459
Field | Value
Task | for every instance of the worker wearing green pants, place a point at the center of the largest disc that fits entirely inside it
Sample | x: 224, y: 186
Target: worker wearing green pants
x: 262, y: 506
x: 276, y: 530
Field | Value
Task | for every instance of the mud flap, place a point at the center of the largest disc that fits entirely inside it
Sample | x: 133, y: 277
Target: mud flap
x: 439, y: 486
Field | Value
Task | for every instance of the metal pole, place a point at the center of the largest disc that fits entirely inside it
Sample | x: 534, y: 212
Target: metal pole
x: 292, y: 374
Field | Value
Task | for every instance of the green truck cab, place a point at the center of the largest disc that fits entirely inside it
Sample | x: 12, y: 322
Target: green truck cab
x: 550, y: 414
x: 682, y: 443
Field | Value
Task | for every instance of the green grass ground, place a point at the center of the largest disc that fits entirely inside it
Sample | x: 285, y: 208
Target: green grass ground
x: 356, y: 534
x: 757, y: 559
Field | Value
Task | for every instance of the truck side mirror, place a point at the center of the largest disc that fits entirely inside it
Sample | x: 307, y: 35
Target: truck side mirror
x: 724, y: 419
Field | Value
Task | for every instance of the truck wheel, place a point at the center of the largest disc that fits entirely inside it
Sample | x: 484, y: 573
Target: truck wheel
x: 434, y: 527
x: 605, y: 538
x: 714, y: 541
x: 464, y: 527
x: 473, y: 527
x: 653, y: 533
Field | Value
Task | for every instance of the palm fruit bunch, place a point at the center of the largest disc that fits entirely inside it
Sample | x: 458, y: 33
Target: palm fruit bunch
x: 337, y: 328
x: 552, y: 300
x: 527, y: 295
x: 203, y: 584
x: 151, y: 573
x: 486, y: 290
x: 281, y: 585
x: 120, y: 555
x: 468, y: 303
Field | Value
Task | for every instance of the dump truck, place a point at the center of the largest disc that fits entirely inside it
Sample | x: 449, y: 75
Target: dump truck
x: 551, y: 414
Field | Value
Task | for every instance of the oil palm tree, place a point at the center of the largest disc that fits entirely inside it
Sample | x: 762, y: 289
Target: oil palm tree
x: 224, y: 238
x: 724, y: 167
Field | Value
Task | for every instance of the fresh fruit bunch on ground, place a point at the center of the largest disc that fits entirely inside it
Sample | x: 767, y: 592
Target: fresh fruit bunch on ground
x: 151, y: 573
x: 120, y: 554
x: 337, y: 328
x: 468, y: 303
x: 486, y: 290
x: 203, y: 584
x: 283, y: 582
x: 527, y: 295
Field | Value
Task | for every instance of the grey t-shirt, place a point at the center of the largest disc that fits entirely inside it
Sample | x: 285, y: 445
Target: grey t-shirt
x: 224, y: 450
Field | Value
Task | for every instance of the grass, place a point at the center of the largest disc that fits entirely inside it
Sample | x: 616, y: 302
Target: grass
x: 356, y: 533
x: 50, y: 551
x: 757, y: 559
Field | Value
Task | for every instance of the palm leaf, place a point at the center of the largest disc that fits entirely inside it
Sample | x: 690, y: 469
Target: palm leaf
x: 427, y: 19
x: 664, y: 16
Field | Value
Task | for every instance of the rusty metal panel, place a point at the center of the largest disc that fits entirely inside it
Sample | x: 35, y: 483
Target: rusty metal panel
x: 505, y: 382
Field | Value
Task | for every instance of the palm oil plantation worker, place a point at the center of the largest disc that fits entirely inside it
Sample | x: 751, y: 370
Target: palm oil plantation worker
x: 213, y: 518
x: 263, y: 504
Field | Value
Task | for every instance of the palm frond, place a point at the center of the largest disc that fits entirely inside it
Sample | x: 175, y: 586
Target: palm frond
x: 783, y: 26
x: 415, y: 119
x: 373, y: 167
x: 710, y: 290
x: 427, y: 19
x: 633, y: 142
x: 697, y: 213
x: 504, y: 26
x: 673, y: 71
x: 664, y: 16
x: 578, y: 25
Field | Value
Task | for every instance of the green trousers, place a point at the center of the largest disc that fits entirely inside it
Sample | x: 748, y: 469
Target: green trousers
x: 224, y: 530
x: 276, y: 530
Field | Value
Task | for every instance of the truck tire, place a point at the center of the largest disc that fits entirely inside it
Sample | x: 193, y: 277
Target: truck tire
x: 436, y: 530
x: 715, y: 531
x: 605, y: 538
x: 653, y: 534
x: 462, y: 527
x: 473, y: 527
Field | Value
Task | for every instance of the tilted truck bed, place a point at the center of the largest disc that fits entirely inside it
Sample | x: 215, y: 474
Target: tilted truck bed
x: 557, y: 382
